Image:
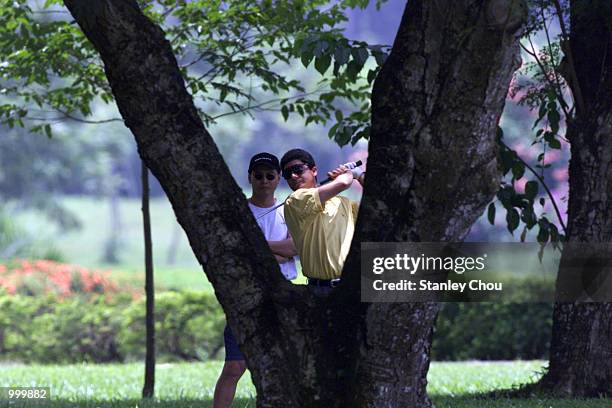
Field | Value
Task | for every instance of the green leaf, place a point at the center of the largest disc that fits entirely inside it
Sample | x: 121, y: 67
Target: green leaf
x: 541, y: 113
x: 543, y: 234
x: 518, y: 169
x: 322, y: 63
x: 505, y: 196
x: 507, y: 159
x: 554, y: 118
x: 554, y: 144
x: 512, y: 219
x: 360, y: 55
x: 372, y: 75
x: 342, y: 54
x: 529, y: 217
x: 285, y: 112
x: 344, y: 136
x: 320, y: 48
x: 531, y: 189
x: 380, y: 57
x: 306, y: 58
x: 48, y: 131
x: 491, y: 213
x: 332, y: 131
x: 523, y: 234
x: 352, y: 69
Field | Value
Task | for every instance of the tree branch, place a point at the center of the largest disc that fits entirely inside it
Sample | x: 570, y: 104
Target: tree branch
x: 555, y: 70
x: 570, y: 58
x: 268, y: 102
x: 541, y: 180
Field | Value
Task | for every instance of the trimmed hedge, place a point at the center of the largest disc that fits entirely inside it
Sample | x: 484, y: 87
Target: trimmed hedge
x: 189, y: 326
x: 493, y: 331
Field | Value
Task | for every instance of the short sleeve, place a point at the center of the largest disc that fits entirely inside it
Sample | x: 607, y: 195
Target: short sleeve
x: 301, y: 207
x: 304, y: 201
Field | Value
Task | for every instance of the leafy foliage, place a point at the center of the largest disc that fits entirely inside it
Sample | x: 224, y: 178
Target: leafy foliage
x: 493, y: 331
x: 234, y: 57
x: 521, y: 207
x: 189, y: 325
x: 540, y: 85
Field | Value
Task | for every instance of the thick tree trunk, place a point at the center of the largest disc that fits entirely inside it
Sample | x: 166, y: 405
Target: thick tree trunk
x: 209, y: 205
x: 431, y: 172
x: 436, y: 107
x: 581, y: 345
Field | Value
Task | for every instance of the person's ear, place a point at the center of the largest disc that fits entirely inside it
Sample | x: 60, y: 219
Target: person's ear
x: 314, y: 170
x: 249, y: 178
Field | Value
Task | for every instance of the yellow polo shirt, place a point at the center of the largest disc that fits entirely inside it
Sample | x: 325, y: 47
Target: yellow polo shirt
x: 322, y: 234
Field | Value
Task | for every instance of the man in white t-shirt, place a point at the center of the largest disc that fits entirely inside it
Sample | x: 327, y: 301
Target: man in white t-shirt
x: 264, y: 176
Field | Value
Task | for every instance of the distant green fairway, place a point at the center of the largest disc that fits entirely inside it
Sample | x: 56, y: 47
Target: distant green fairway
x: 192, y: 384
x: 85, y: 247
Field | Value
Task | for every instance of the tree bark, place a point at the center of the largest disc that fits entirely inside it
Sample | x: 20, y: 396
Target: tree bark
x: 432, y: 168
x: 581, y: 345
x: 431, y: 172
x: 148, y: 389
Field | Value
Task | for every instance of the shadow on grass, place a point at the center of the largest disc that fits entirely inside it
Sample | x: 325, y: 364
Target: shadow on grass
x: 463, y: 401
x: 140, y: 403
x: 497, y: 400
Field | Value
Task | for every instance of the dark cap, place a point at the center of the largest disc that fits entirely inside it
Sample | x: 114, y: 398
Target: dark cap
x: 264, y: 159
x: 297, y: 154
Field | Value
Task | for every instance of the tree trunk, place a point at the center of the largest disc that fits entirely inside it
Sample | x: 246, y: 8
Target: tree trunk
x: 431, y: 172
x: 581, y: 345
x: 148, y: 388
x: 432, y: 168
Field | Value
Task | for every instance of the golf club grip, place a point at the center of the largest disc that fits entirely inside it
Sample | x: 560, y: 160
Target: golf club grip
x: 327, y: 180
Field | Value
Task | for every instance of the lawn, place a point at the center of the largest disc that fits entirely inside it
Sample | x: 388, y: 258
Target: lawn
x: 455, y: 384
x: 85, y: 246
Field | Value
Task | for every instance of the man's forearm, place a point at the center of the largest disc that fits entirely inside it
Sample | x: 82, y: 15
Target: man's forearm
x: 284, y: 248
x: 333, y: 188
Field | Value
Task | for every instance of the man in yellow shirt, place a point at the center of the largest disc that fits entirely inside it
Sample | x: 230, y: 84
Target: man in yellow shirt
x: 321, y: 223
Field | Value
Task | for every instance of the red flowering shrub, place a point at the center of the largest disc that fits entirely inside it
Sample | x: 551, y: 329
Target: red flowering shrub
x: 44, y: 277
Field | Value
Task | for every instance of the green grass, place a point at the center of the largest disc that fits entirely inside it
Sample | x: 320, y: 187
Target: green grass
x: 454, y: 384
x: 85, y: 247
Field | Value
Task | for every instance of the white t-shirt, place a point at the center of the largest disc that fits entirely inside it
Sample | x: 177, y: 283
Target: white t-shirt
x: 275, y: 229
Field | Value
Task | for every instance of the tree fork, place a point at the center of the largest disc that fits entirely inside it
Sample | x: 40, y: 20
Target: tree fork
x: 436, y: 104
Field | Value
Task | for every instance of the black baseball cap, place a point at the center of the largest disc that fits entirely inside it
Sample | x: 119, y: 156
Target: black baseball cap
x: 265, y: 159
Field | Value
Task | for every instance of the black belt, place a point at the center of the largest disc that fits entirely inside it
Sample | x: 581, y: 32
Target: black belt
x: 324, y: 282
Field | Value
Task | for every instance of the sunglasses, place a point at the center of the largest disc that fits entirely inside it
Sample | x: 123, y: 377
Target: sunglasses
x: 298, y: 169
x: 268, y: 176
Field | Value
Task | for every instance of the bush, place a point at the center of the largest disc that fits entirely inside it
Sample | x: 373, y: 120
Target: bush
x: 41, y: 277
x: 48, y: 329
x: 188, y: 326
x: 493, y: 331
